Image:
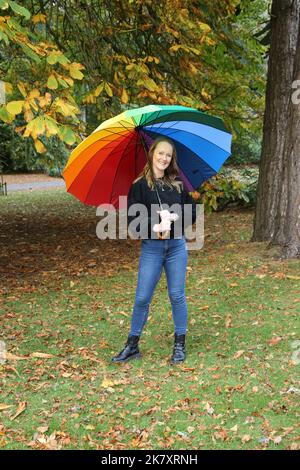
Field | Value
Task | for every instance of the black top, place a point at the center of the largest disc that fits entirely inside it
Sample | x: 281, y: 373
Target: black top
x: 141, y: 193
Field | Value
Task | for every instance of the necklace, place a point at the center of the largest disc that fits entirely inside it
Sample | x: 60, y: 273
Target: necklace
x: 160, y: 183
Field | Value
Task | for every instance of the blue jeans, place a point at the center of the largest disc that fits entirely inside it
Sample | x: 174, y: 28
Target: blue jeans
x: 172, y: 255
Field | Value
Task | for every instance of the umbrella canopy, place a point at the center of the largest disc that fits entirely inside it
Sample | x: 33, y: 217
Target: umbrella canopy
x: 103, y: 166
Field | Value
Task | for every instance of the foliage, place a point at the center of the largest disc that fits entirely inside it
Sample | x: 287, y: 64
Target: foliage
x: 39, y: 79
x: 19, y: 154
x: 199, y: 54
x: 229, y: 189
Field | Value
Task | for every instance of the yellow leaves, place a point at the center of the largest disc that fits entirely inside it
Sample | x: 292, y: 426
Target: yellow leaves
x: 22, y: 89
x: 204, y: 27
x: 205, y: 95
x: 51, y: 126
x: 99, y: 89
x: 52, y: 82
x: 39, y: 146
x: 39, y: 18
x: 108, y: 89
x: 150, y: 58
x: 5, y: 116
x: 57, y: 56
x: 8, y: 88
x: 65, y: 108
x: 45, y: 100
x: 210, y: 41
x: 148, y: 83
x: 15, y: 107
x: 107, y: 383
x: 74, y: 69
x: 124, y: 96
x: 66, y: 134
x: 175, y: 48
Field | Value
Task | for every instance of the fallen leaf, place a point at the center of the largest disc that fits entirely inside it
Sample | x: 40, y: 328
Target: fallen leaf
x: 41, y: 355
x: 106, y: 383
x: 4, y: 407
x: 274, y: 341
x: 238, y: 354
x: 12, y: 357
x: 246, y: 438
x: 20, y: 410
x: 43, y: 429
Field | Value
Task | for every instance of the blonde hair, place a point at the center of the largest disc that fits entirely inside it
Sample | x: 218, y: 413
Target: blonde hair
x: 171, y: 173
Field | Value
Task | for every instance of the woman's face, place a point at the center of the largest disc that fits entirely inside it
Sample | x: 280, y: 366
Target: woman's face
x: 162, y: 157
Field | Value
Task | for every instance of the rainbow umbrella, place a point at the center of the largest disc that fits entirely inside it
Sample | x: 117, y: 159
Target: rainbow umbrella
x: 103, y: 166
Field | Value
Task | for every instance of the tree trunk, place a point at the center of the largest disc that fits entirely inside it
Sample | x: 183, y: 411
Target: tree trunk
x: 291, y: 164
x: 277, y: 167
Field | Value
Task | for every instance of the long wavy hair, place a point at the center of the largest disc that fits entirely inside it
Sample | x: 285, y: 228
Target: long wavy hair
x: 171, y: 175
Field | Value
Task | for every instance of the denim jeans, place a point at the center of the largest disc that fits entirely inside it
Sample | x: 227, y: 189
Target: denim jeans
x: 172, y: 255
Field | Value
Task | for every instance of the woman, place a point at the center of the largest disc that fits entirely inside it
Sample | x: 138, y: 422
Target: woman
x: 159, y: 181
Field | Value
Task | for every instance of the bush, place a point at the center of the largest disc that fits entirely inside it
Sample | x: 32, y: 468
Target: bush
x: 19, y: 154
x: 229, y: 187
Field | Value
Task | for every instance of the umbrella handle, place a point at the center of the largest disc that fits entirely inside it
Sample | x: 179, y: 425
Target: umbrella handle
x: 165, y: 234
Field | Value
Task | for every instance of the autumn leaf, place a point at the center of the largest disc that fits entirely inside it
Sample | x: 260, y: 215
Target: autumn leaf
x: 124, y: 96
x: 52, y: 82
x: 13, y: 357
x: 274, y: 341
x: 4, y: 407
x: 15, y: 107
x: 40, y: 148
x: 238, y: 354
x: 39, y: 18
x: 21, y: 408
x: 41, y: 355
x: 108, y: 89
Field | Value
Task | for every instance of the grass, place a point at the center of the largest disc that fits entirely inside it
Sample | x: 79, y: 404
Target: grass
x: 67, y: 294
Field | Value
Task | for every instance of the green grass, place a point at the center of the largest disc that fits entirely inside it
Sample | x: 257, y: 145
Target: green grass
x: 66, y: 293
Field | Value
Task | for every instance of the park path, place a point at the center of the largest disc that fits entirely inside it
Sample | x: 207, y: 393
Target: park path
x: 31, y: 181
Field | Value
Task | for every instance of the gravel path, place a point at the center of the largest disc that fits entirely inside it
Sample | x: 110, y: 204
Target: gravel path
x: 31, y: 181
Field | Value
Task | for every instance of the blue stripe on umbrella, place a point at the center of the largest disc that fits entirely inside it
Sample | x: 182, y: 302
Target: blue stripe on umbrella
x: 209, y: 152
x: 195, y: 169
x: 217, y: 137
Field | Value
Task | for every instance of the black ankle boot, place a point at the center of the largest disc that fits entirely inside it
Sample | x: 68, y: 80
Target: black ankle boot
x: 130, y: 351
x: 179, y: 349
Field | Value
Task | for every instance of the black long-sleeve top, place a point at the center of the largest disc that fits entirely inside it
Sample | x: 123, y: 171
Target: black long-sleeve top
x: 141, y: 193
